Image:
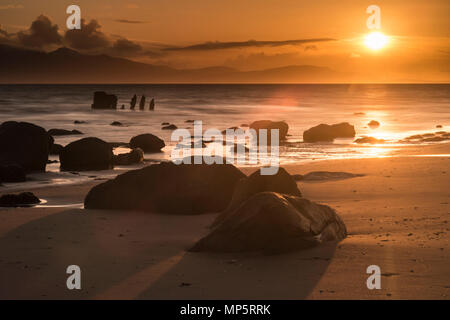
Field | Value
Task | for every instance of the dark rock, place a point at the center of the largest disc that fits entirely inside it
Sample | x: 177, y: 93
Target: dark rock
x: 147, y: 142
x: 274, y: 223
x: 414, y: 137
x: 318, y: 176
x: 194, y: 144
x: 63, y: 132
x: 436, y: 139
x: 133, y: 102
x: 119, y: 144
x: 371, y: 140
x: 152, y: 105
x: 142, y: 103
x: 12, y: 173
x: 439, y: 126
x: 168, y: 188
x: 24, y: 144
x: 282, y: 126
x: 102, y: 100
x: 373, y: 124
x: 86, y: 154
x: 170, y: 127
x: 56, y: 149
x: 282, y: 182
x: 327, y: 133
x: 79, y: 122
x: 24, y: 199
x: 132, y: 157
x: 116, y: 123
x: 189, y: 121
x: 165, y: 123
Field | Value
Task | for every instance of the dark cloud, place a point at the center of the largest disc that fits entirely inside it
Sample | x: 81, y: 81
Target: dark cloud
x: 251, y: 43
x: 311, y: 47
x: 88, y: 37
x: 125, y: 47
x: 42, y: 33
x: 130, y: 21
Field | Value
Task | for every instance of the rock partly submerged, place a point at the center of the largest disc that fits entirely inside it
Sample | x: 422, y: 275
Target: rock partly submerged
x: 327, y: 133
x: 147, y: 142
x: 169, y: 127
x: 133, y: 157
x: 269, y: 125
x: 23, y: 199
x: 63, y: 132
x: 168, y: 188
x: 322, y: 176
x: 274, y: 223
x: 370, y: 140
x: 373, y: 124
x: 86, y: 154
x: 24, y: 144
x: 102, y: 100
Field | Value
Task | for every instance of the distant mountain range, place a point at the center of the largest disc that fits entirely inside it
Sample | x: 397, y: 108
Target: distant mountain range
x: 18, y: 65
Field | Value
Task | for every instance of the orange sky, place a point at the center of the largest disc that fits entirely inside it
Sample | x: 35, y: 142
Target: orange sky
x: 418, y: 50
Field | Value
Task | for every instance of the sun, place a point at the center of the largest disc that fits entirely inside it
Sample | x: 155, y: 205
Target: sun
x: 376, y: 40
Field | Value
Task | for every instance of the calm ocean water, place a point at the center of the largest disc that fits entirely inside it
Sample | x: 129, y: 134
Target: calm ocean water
x: 402, y: 110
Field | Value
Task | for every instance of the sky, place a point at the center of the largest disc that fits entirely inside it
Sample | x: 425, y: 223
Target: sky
x: 245, y: 34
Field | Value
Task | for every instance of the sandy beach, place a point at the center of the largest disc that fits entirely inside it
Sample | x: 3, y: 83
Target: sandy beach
x: 396, y: 215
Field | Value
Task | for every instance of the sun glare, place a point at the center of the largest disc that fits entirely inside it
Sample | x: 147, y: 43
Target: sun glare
x: 375, y: 40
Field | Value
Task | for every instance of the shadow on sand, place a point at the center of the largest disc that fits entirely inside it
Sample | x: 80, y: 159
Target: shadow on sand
x: 129, y: 255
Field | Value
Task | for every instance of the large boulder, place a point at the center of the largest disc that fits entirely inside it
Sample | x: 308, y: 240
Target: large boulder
x: 147, y: 142
x: 102, y: 100
x: 274, y: 223
x: 327, y: 133
x: 132, y: 157
x: 24, y: 144
x: 55, y: 149
x: 168, y: 188
x: 86, y: 154
x: 282, y: 126
x: 282, y: 182
x: 23, y: 199
x: 63, y: 132
x: 12, y: 173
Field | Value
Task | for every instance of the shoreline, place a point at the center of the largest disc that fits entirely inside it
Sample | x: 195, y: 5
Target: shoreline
x: 396, y: 214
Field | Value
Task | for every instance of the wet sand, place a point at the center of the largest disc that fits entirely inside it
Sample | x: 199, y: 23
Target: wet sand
x: 397, y: 216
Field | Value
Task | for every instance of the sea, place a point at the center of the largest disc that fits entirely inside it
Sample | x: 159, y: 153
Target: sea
x: 401, y: 109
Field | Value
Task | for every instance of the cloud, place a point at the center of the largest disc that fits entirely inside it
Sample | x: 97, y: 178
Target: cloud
x: 88, y: 37
x: 125, y: 47
x: 311, y: 47
x: 42, y: 33
x: 11, y: 6
x: 130, y: 21
x: 244, y: 44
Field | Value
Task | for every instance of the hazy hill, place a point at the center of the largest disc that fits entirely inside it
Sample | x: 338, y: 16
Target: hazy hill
x: 18, y: 65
